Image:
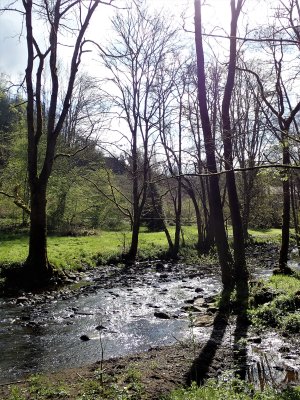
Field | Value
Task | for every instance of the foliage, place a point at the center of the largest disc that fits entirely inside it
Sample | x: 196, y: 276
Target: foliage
x: 232, y: 389
x: 126, y: 386
x: 13, y: 155
x: 276, y: 303
x: 153, y: 214
x: 265, y: 209
x: 11, y: 117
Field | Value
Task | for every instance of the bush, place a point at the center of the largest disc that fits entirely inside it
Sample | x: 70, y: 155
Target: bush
x: 291, y: 323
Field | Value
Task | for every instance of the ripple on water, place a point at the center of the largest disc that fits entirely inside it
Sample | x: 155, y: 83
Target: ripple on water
x: 49, y: 338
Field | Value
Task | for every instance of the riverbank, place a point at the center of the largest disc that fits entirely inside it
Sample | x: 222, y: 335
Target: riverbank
x: 149, y: 374
x: 71, y: 253
x: 158, y: 372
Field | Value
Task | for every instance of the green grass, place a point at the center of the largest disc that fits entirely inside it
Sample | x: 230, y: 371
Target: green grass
x: 281, y: 307
x: 124, y: 386
x: 285, y: 284
x: 233, y: 389
x: 272, y: 232
x: 128, y: 386
x: 72, y: 252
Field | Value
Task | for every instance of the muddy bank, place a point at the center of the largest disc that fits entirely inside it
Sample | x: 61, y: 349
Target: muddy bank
x: 160, y: 371
x: 163, y: 369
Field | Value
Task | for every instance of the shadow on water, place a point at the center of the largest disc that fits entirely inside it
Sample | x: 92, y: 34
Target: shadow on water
x: 240, y: 351
x: 201, y: 365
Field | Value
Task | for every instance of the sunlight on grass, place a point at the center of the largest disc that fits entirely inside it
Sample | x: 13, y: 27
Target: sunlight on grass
x: 285, y: 284
x: 73, y: 252
x: 13, y: 249
x: 272, y: 232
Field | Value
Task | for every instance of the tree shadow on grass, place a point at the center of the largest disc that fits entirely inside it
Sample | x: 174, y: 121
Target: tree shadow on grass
x: 201, y: 365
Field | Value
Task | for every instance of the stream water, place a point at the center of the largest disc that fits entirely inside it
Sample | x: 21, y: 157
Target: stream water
x: 49, y: 335
x: 120, y: 321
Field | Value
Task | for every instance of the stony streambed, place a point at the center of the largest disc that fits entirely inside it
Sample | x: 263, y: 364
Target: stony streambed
x: 74, y: 327
x: 108, y: 313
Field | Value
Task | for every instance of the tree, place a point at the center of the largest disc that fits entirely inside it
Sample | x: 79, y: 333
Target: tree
x: 250, y: 141
x: 76, y: 150
x: 198, y: 187
x: 215, y: 202
x: 276, y: 94
x: 142, y: 46
x: 58, y: 16
x: 241, y: 272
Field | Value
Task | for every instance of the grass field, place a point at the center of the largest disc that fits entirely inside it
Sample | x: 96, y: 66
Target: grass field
x: 71, y: 252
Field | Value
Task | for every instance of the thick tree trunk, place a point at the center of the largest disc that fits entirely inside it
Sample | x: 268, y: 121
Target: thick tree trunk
x: 132, y: 253
x: 215, y: 203
x: 240, y: 267
x: 37, y: 265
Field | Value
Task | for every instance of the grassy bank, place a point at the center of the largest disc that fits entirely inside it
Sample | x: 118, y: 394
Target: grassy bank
x: 276, y: 304
x: 128, y: 386
x: 233, y: 389
x: 73, y: 252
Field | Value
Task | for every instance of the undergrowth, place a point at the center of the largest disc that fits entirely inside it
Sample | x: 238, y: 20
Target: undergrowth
x: 128, y: 386
x: 233, y: 389
x: 276, y: 304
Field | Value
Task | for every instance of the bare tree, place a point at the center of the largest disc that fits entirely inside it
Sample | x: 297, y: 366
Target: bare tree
x: 143, y: 44
x: 241, y: 272
x: 250, y: 140
x: 215, y: 202
x: 276, y: 93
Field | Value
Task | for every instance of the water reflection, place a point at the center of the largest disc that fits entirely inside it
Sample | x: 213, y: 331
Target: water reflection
x: 268, y: 366
x: 48, y: 337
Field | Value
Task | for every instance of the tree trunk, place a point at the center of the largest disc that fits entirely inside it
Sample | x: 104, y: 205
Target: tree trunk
x: 224, y: 255
x: 37, y: 265
x: 200, y: 229
x: 246, y: 204
x: 169, y: 239
x: 132, y: 253
x: 285, y: 230
x: 203, y: 240
x: 178, y: 209
x: 295, y: 214
x: 241, y: 272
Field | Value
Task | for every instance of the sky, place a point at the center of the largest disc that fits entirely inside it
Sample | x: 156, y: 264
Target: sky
x: 216, y: 13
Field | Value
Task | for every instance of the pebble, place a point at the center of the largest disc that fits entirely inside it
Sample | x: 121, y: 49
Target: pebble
x: 84, y: 338
x: 162, y: 315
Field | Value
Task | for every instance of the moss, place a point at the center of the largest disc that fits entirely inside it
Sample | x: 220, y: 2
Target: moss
x: 276, y: 303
